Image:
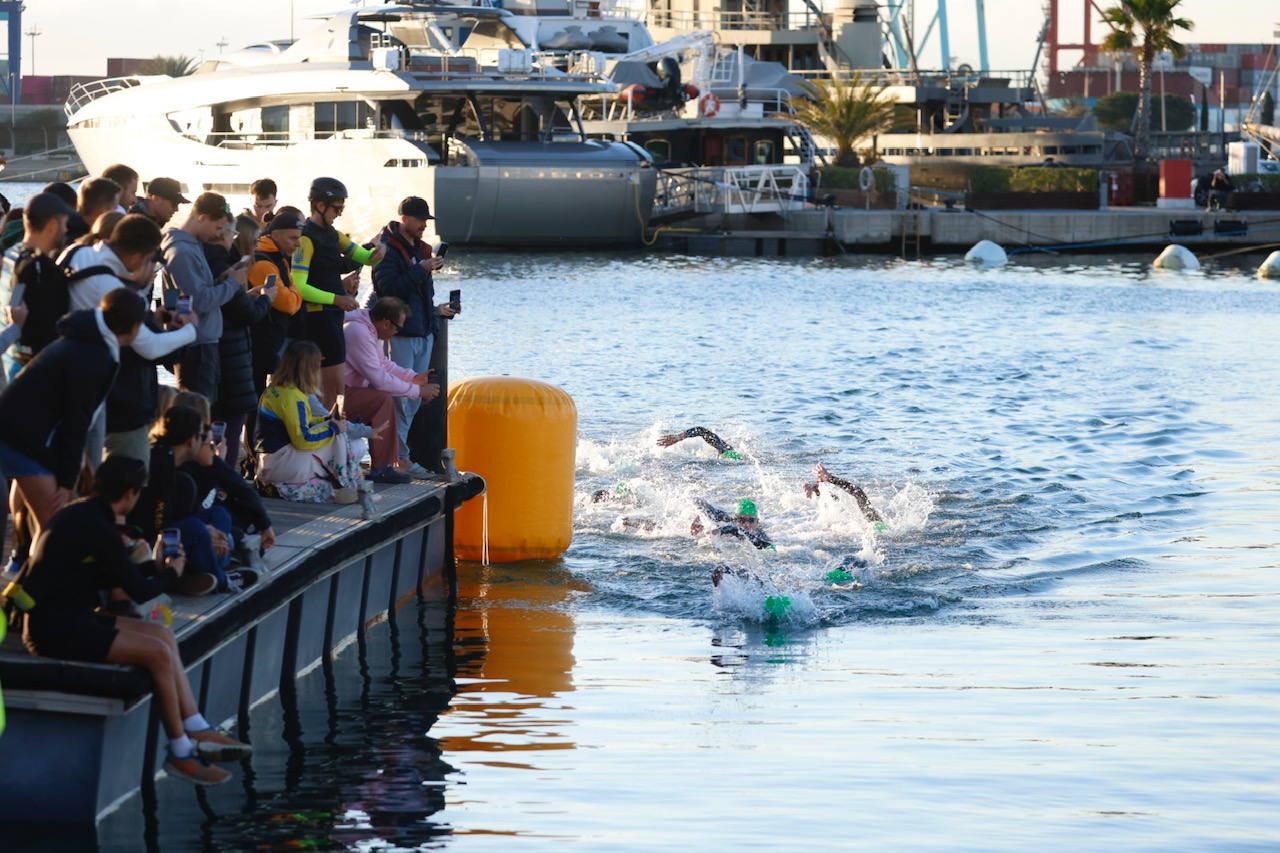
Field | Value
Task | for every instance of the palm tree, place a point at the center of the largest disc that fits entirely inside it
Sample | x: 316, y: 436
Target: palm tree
x: 844, y: 110
x: 1144, y: 28
x: 172, y: 66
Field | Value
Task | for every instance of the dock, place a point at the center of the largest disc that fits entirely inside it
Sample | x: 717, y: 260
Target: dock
x: 83, y: 739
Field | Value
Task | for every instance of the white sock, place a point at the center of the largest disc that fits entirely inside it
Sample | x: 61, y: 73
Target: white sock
x: 181, y: 747
x: 195, y: 723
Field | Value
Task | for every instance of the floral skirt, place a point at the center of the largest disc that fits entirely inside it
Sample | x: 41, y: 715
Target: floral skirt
x: 308, y: 476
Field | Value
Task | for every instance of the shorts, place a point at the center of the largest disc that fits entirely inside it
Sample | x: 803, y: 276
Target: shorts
x: 324, y: 329
x: 14, y: 464
x: 70, y: 636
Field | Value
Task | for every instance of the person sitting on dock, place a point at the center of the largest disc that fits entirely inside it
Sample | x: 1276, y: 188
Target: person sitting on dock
x: 822, y: 475
x: 744, y: 525
x: 76, y: 559
x: 721, y: 446
x: 164, y: 197
x: 375, y: 382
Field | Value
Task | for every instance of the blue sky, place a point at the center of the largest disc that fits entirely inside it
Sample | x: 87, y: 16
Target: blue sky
x: 78, y: 35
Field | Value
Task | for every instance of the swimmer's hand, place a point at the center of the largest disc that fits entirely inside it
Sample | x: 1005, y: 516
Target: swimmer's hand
x: 695, y: 527
x: 669, y: 439
x: 811, y: 490
x: 820, y: 471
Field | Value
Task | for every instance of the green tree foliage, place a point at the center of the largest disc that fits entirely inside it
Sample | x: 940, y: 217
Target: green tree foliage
x: 1035, y: 179
x: 1115, y: 111
x: 1144, y: 28
x: 172, y: 66
x: 844, y: 110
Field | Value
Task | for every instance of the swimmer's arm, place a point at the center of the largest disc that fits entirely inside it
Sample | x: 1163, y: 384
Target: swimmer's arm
x: 858, y: 495
x: 709, y: 437
x: 716, y: 514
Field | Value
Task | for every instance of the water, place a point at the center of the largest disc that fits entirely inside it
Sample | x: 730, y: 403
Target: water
x: 1069, y: 630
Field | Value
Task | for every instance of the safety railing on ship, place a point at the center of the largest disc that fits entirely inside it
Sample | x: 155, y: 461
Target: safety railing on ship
x: 86, y: 93
x: 731, y: 189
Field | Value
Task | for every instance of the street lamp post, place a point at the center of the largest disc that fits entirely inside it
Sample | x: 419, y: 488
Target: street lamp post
x: 33, y: 33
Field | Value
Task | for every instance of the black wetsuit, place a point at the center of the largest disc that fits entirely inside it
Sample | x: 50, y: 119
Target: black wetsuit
x: 709, y: 437
x: 730, y: 527
x: 858, y: 495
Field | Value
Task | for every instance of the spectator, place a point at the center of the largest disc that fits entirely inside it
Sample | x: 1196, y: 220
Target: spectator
x: 126, y: 259
x: 76, y: 225
x: 164, y: 197
x: 187, y: 270
x: 373, y: 381
x: 46, y: 411
x: 82, y: 555
x: 97, y: 196
x: 102, y: 228
x: 11, y: 228
x: 405, y: 273
x: 43, y: 282
x: 246, y: 240
x: 237, y: 396
x: 127, y: 178
x: 171, y: 499
x: 302, y: 455
x: 323, y: 257
x: 264, y: 201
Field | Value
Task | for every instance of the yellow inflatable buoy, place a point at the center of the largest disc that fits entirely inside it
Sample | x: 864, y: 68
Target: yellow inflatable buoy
x: 520, y: 436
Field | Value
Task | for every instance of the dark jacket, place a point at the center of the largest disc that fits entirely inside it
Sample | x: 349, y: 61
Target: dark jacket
x: 241, y: 498
x: 401, y: 275
x: 136, y: 393
x: 170, y: 495
x: 77, y: 227
x: 45, y: 295
x: 79, y: 555
x: 237, y: 394
x: 270, y: 334
x: 46, y: 410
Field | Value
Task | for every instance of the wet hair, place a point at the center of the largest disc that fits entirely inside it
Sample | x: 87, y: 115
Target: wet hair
x: 98, y: 193
x: 193, y: 400
x: 123, y: 310
x: 62, y: 191
x: 178, y: 426
x: 299, y: 368
x: 121, y: 174
x: 247, y: 229
x: 118, y: 475
x: 264, y: 187
x: 135, y: 234
x: 103, y: 227
x: 389, y: 308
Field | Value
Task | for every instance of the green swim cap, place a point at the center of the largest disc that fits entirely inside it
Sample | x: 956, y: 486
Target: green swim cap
x: 621, y: 489
x: 777, y: 606
x: 837, y: 576
x: 746, y: 506
x: 881, y: 526
x: 731, y: 454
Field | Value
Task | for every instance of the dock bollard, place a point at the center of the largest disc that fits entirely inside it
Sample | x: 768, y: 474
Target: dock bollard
x: 985, y: 253
x: 1176, y: 257
x: 1270, y: 267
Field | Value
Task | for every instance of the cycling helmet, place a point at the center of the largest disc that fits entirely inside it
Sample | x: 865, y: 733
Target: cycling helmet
x: 327, y: 190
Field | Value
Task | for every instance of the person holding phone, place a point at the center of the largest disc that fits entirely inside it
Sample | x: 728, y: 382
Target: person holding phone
x: 406, y: 274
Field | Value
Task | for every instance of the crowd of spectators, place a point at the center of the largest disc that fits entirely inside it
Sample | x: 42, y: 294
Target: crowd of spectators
x: 122, y: 487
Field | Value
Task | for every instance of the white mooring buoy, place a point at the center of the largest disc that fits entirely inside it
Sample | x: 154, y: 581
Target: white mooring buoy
x: 1176, y: 257
x: 1270, y: 267
x: 986, y: 254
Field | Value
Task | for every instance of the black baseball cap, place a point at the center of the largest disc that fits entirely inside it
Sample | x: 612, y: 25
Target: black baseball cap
x: 168, y: 189
x: 44, y: 206
x: 416, y: 207
x: 285, y: 218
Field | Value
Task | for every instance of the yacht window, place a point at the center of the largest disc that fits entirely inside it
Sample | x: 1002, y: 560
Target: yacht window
x: 336, y: 116
x: 275, y: 120
x: 762, y: 152
x: 660, y: 150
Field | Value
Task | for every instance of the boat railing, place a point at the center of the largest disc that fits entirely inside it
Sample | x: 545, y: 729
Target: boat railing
x: 746, y: 20
x: 769, y: 188
x: 83, y: 94
x: 258, y: 139
x: 615, y: 106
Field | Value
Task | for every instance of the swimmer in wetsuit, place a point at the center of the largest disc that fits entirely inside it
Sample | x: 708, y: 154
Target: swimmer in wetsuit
x: 721, y: 446
x: 744, y: 525
x: 825, y: 476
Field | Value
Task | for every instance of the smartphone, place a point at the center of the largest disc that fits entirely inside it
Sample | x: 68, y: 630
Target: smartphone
x: 455, y: 300
x: 441, y: 250
x: 19, y: 290
x: 272, y: 279
x: 171, y: 300
x: 184, y: 305
x: 219, y: 431
x: 171, y: 538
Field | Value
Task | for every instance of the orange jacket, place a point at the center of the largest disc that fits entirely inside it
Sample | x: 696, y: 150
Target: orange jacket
x: 288, y: 300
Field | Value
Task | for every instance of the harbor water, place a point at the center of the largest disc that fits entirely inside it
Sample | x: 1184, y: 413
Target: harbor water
x: 1067, y: 631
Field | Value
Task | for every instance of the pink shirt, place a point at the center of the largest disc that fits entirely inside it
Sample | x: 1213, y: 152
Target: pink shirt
x: 367, y: 362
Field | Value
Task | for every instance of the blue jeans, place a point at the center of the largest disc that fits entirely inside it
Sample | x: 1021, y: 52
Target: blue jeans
x: 198, y: 544
x: 415, y: 354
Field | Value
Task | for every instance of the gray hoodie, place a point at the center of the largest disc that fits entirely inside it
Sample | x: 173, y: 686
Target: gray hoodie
x: 187, y: 270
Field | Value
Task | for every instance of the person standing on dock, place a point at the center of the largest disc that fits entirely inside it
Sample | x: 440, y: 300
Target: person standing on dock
x: 406, y: 274
x: 264, y: 193
x: 325, y: 270
x: 97, y: 196
x: 127, y: 179
x: 721, y: 446
x: 81, y: 555
x: 32, y: 266
x: 164, y: 197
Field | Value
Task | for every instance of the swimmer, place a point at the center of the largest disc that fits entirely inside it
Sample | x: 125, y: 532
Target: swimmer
x: 776, y: 607
x: 744, y: 525
x: 825, y: 476
x: 721, y: 446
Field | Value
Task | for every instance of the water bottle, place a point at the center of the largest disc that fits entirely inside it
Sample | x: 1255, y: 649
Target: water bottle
x: 368, y: 511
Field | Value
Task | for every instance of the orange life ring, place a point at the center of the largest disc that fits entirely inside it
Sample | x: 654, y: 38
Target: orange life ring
x: 710, y: 104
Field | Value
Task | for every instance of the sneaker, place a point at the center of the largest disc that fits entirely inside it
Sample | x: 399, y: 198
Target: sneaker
x: 417, y: 472
x: 196, y: 770
x: 195, y: 583
x: 240, y: 578
x: 213, y: 745
x: 390, y: 477
x: 345, y: 495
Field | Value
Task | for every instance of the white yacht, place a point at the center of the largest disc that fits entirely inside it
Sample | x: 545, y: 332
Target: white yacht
x: 452, y: 103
